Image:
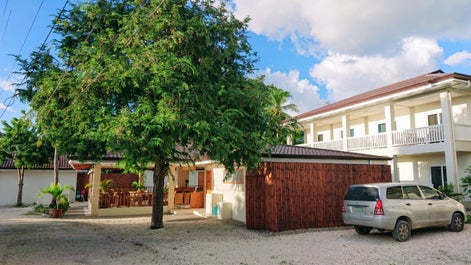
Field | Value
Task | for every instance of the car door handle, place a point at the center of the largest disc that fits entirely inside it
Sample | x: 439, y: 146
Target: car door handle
x: 430, y: 203
x: 408, y: 204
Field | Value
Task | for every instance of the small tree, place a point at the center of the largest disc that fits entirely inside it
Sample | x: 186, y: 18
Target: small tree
x: 22, y: 144
x: 466, y: 182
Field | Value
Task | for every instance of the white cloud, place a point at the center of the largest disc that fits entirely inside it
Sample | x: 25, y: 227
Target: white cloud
x: 347, y: 75
x: 6, y: 85
x: 304, y: 94
x: 458, y: 58
x: 357, y: 27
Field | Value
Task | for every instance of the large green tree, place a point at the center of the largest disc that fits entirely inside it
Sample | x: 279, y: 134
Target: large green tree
x: 21, y: 142
x: 160, y: 82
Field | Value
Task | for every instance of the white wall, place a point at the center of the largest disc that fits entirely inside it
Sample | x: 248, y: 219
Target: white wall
x: 34, y: 181
x: 233, y: 193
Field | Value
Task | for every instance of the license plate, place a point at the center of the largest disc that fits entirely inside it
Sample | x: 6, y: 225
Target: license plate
x: 358, y: 209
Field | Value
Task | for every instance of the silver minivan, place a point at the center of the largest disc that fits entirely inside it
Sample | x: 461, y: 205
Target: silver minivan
x: 400, y: 207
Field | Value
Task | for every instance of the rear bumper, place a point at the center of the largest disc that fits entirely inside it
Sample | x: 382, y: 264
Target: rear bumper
x: 377, y: 221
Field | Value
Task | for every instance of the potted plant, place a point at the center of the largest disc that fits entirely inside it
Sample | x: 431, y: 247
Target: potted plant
x: 58, y: 196
x: 137, y: 185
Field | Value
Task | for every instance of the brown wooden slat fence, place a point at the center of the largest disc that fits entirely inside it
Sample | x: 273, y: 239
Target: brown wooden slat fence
x: 288, y: 196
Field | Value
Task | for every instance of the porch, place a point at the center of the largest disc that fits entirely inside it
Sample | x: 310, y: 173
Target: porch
x: 410, y: 137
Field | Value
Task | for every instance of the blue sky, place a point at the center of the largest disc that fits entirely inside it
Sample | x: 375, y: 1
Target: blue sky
x: 320, y: 50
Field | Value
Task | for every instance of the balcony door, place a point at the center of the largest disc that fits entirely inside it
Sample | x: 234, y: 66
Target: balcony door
x: 438, y: 176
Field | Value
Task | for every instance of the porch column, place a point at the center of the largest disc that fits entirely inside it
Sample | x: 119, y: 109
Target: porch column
x: 412, y: 117
x: 449, y: 135
x: 346, y: 131
x: 331, y: 129
x: 365, y: 125
x: 311, y: 134
x: 95, y: 190
x: 389, y: 116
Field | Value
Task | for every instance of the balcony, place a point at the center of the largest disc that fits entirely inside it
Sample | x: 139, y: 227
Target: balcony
x: 409, y: 137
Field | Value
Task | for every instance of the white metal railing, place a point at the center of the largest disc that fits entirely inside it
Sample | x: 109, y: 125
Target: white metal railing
x: 332, y: 145
x: 367, y: 142
x: 424, y: 135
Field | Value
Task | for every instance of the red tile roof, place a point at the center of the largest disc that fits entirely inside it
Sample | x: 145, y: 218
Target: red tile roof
x: 291, y: 151
x: 418, y: 81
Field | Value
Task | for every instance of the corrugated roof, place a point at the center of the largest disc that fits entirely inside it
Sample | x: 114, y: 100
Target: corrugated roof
x: 63, y: 164
x: 291, y: 151
x: 418, y: 81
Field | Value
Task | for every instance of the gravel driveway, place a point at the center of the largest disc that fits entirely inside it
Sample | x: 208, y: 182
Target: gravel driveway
x: 34, y: 239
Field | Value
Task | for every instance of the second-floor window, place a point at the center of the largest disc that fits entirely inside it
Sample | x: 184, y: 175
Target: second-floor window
x: 352, y: 132
x: 381, y: 127
x: 320, y: 137
x: 434, y: 119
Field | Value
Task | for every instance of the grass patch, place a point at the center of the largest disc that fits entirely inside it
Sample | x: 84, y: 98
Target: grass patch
x: 469, y: 219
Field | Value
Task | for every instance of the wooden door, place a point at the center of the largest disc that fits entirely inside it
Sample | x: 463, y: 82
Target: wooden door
x: 209, y: 182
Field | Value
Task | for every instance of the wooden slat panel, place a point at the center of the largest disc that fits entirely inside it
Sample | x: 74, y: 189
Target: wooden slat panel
x: 287, y: 196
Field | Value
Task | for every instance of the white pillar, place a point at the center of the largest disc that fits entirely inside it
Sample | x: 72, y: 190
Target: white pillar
x: 311, y: 134
x: 412, y: 117
x: 389, y: 116
x: 346, y: 131
x: 365, y: 125
x: 449, y: 135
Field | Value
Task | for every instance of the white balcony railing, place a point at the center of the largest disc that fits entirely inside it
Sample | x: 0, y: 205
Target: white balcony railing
x: 424, y: 135
x: 367, y: 142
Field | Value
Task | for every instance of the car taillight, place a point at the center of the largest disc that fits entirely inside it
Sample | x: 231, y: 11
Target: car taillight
x: 379, y: 208
x: 343, y: 208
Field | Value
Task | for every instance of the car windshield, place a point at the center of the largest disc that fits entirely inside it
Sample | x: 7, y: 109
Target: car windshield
x: 360, y: 193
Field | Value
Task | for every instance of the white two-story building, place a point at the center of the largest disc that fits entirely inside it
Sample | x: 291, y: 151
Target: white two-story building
x: 423, y: 123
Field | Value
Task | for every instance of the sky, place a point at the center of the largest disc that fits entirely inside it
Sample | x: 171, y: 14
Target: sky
x: 321, y: 51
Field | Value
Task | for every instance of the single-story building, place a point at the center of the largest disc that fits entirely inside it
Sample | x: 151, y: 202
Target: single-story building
x: 297, y: 187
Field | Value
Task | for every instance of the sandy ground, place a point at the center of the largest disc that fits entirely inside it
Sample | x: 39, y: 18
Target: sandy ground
x: 189, y: 239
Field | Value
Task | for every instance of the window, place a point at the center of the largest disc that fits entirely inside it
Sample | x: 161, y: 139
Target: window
x: 235, y: 178
x: 320, y: 137
x: 412, y: 192
x: 438, y: 176
x: 360, y: 193
x: 434, y: 119
x: 429, y: 193
x: 394, y: 193
x: 352, y: 132
x: 381, y: 127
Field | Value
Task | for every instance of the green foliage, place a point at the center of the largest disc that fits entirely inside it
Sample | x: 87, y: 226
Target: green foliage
x: 159, y: 82
x: 21, y: 142
x: 41, y: 209
x: 137, y: 185
x: 466, y: 182
x: 104, y: 185
x: 449, y: 190
x: 57, y: 193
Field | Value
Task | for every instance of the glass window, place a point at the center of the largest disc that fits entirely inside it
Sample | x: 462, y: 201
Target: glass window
x: 394, y: 193
x: 320, y: 137
x: 362, y: 194
x: 381, y: 127
x: 352, y: 132
x: 412, y: 192
x: 429, y: 193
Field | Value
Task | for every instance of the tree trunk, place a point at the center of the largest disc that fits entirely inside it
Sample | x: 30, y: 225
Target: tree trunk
x: 56, y: 166
x: 21, y: 175
x: 56, y: 175
x: 160, y: 171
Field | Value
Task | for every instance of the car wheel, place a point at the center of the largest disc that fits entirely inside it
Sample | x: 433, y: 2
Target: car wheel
x: 402, y: 231
x: 457, y: 222
x: 362, y: 230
